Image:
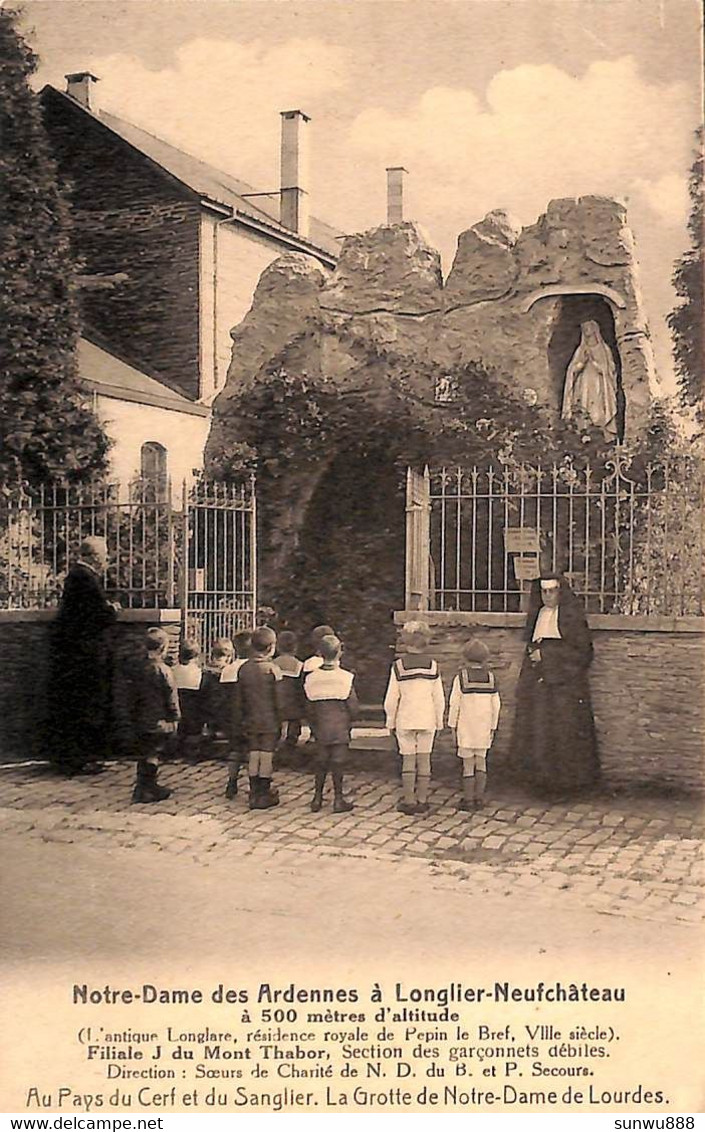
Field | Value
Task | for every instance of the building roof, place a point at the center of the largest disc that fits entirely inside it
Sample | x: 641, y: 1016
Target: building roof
x: 109, y: 376
x: 210, y: 183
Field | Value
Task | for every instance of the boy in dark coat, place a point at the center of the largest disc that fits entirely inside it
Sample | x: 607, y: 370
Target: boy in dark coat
x: 216, y: 697
x: 230, y: 702
x: 260, y: 713
x: 332, y: 705
x: 155, y: 707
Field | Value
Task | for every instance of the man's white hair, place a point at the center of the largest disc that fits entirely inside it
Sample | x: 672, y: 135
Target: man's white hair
x: 93, y: 547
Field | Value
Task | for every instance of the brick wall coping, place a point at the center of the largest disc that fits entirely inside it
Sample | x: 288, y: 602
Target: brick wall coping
x: 130, y: 616
x: 600, y: 621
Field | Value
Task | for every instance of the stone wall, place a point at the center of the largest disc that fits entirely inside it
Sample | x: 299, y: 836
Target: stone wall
x: 647, y: 691
x: 24, y: 648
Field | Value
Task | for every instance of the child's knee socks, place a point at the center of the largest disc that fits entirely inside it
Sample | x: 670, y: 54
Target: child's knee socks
x: 480, y: 774
x: 319, y: 783
x: 408, y: 778
x: 469, y: 784
x: 480, y: 784
x: 260, y: 764
x: 423, y: 776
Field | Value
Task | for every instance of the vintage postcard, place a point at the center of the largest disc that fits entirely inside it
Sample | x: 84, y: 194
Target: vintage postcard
x: 352, y: 591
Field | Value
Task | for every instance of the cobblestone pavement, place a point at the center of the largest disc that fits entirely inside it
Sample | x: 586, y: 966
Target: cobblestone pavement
x: 623, y: 855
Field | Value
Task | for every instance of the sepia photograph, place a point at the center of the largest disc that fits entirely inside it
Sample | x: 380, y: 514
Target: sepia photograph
x: 352, y: 559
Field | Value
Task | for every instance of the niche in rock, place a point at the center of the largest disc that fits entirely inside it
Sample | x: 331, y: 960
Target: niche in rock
x: 573, y: 312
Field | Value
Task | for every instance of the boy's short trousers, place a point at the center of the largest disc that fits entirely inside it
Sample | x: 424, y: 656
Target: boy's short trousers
x: 474, y: 758
x: 191, y: 722
x: 415, y: 742
x: 293, y: 732
x: 155, y: 744
x: 262, y: 741
x: 331, y: 756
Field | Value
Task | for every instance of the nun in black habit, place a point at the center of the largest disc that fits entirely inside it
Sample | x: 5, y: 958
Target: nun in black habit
x: 554, y: 745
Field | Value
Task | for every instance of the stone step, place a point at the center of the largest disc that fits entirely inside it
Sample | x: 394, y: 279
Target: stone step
x: 371, y: 738
x: 371, y: 714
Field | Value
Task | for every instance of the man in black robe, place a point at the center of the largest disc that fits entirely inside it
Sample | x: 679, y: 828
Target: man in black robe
x: 80, y: 668
x: 554, y: 746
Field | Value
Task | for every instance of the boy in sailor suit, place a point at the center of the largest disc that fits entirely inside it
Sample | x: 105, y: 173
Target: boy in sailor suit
x: 188, y: 676
x: 474, y: 715
x: 414, y: 706
x: 332, y: 706
x: 292, y: 691
x: 315, y: 660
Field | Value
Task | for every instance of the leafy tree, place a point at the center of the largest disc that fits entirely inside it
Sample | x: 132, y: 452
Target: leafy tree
x: 686, y: 320
x: 47, y: 432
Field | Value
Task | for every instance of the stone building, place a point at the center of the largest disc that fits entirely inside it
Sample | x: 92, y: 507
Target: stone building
x: 180, y: 246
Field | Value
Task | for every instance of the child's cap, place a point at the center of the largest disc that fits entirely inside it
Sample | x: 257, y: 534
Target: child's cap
x: 223, y: 646
x: 329, y: 647
x: 287, y: 641
x: 156, y: 640
x: 263, y: 639
x: 476, y: 650
x: 415, y: 633
x: 188, y: 650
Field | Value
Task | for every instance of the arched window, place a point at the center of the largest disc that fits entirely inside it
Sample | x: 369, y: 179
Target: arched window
x: 153, y: 467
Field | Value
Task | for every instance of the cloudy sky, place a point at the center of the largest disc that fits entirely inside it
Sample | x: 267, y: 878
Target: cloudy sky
x: 488, y: 103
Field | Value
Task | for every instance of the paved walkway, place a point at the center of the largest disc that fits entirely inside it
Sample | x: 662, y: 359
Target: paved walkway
x: 623, y: 855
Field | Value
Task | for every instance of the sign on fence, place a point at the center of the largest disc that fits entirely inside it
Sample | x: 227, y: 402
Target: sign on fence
x: 520, y: 540
x: 526, y: 569
x: 628, y: 535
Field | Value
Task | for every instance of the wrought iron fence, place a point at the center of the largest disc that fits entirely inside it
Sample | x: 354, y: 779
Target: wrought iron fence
x: 40, y: 533
x: 629, y: 538
x: 219, y: 587
x: 201, y: 557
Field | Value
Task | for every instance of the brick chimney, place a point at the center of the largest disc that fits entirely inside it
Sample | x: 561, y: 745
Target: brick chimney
x: 294, y: 177
x: 81, y: 86
x: 395, y: 193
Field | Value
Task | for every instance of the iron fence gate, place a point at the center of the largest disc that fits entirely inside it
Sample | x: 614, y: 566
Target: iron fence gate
x: 219, y: 585
x: 629, y: 538
x: 201, y: 557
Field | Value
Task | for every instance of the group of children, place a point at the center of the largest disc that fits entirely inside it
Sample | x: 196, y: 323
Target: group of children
x: 256, y: 694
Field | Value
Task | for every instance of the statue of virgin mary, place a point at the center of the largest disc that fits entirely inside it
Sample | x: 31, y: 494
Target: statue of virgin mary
x: 591, y: 381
